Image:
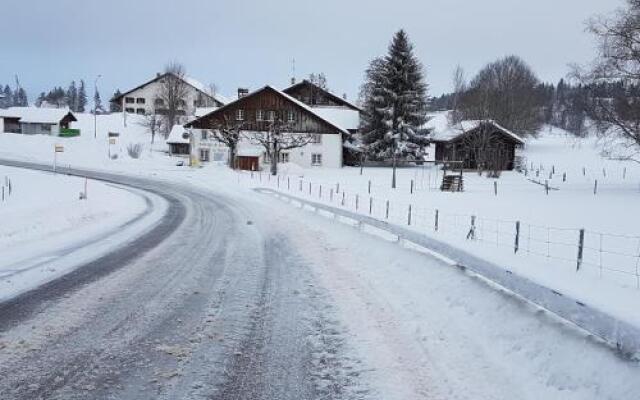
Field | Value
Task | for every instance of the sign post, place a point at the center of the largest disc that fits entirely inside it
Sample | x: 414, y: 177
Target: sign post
x: 58, y: 148
x: 112, y: 140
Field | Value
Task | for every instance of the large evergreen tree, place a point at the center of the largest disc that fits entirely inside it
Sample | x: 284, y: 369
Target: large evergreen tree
x: 82, y: 98
x: 72, y: 96
x: 7, y: 97
x: 97, y: 103
x: 395, y: 98
x: 114, y: 106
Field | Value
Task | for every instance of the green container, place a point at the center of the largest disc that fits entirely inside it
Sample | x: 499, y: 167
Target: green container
x: 68, y: 132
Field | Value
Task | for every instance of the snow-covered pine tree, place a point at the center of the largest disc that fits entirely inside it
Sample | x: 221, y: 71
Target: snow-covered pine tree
x: 72, y: 96
x: 114, y: 106
x: 7, y: 98
x: 97, y: 102
x: 20, y: 98
x: 82, y: 98
x: 396, y: 101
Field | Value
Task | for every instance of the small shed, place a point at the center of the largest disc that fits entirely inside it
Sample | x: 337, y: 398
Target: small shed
x: 38, y: 121
x: 476, y: 143
x: 178, y: 141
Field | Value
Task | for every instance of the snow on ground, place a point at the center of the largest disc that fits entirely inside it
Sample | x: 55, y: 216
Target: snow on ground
x: 549, y: 223
x: 43, y: 217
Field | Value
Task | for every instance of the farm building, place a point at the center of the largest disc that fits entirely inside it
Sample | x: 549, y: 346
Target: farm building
x: 37, y: 121
x: 477, y: 144
x: 256, y: 111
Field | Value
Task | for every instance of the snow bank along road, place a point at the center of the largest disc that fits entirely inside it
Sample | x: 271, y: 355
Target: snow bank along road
x: 237, y: 296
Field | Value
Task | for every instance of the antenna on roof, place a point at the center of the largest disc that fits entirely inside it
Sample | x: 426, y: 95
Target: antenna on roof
x: 293, y: 71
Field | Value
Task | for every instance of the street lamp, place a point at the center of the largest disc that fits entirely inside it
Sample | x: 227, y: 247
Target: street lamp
x: 95, y: 117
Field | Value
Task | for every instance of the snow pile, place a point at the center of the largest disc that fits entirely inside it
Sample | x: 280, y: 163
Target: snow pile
x: 43, y: 217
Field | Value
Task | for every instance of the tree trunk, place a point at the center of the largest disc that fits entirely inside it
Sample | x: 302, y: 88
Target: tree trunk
x: 274, y: 163
x: 232, y: 157
x: 393, y: 178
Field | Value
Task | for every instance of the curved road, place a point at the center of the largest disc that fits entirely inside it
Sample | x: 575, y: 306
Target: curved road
x: 222, y: 300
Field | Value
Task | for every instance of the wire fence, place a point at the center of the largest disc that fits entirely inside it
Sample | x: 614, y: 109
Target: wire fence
x: 603, y: 255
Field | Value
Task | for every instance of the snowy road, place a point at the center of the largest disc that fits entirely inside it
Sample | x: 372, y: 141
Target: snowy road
x: 237, y: 296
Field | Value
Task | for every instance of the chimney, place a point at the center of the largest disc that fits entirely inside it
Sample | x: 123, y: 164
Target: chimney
x: 158, y: 74
x: 293, y: 80
x: 344, y: 96
x: 242, y: 92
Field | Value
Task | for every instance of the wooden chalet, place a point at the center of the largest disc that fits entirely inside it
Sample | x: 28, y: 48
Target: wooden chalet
x: 256, y: 111
x: 473, y: 143
x: 315, y: 96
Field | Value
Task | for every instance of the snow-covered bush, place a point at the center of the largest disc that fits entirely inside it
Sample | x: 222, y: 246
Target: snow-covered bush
x: 134, y: 150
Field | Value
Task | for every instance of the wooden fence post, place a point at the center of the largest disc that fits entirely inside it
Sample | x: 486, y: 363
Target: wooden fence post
x: 331, y: 195
x: 595, y: 187
x: 386, y: 213
x: 357, y: 198
x: 412, y: 186
x: 288, y: 183
x: 580, y: 249
x: 436, y: 221
x: 320, y: 192
x: 564, y: 177
x: 409, y: 216
x: 495, y: 187
x: 369, y: 188
x: 472, y: 228
x: 309, y: 188
x: 370, y: 205
x: 516, y: 245
x: 342, y: 199
x: 337, y: 187
x: 546, y: 187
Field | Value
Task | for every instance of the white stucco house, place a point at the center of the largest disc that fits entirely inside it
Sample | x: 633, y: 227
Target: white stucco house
x: 146, y: 98
x: 37, y: 121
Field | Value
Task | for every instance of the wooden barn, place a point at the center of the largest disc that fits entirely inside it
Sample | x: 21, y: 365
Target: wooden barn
x: 477, y: 144
x: 255, y: 112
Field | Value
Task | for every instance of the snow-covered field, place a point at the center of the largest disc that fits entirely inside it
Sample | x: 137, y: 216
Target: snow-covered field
x: 549, y: 223
x: 43, y: 221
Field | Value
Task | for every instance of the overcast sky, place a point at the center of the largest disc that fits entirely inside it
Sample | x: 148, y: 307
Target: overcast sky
x: 252, y: 43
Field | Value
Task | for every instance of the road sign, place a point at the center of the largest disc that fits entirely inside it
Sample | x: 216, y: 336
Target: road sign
x: 59, y: 148
x: 113, y: 134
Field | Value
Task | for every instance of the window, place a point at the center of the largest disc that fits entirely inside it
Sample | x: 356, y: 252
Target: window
x: 129, y: 100
x: 316, y: 159
x: 240, y: 115
x: 140, y: 100
x: 271, y: 115
x: 259, y: 115
x: 158, y: 102
x: 316, y: 139
x: 284, y: 157
x: 204, y: 135
x: 140, y: 111
x: 45, y: 127
x: 129, y: 110
x: 291, y: 117
x: 204, y: 155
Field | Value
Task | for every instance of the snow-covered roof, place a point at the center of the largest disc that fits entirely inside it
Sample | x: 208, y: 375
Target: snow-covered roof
x: 288, y: 97
x: 245, y: 151
x: 202, y: 111
x: 443, y: 130
x: 205, y: 89
x: 176, y: 136
x: 196, y: 84
x: 345, y: 118
x: 37, y: 115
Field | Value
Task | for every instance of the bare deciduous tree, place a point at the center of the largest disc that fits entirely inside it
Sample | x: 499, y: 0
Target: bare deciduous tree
x: 505, y: 91
x: 459, y: 87
x: 173, y: 93
x: 617, y: 60
x: 228, y: 131
x: 277, y: 138
x: 153, y: 123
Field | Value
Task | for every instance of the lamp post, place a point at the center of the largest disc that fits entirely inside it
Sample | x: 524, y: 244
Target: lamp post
x: 95, y: 117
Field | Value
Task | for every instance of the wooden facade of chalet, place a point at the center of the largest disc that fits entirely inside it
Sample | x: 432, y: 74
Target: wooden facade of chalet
x: 256, y: 112
x: 487, y: 143
x: 313, y: 95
